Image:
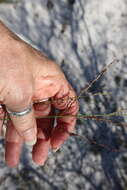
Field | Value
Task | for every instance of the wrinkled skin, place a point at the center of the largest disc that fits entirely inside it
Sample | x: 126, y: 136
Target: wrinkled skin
x: 25, y: 77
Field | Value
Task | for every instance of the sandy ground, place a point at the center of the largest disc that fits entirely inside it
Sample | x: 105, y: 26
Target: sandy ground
x: 82, y: 36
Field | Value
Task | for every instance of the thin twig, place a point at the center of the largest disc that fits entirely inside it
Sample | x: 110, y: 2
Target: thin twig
x: 97, y: 77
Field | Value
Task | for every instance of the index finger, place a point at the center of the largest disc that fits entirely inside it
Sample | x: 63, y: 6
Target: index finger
x: 68, y: 106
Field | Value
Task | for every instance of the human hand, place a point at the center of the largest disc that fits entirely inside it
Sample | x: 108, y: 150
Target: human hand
x: 26, y: 76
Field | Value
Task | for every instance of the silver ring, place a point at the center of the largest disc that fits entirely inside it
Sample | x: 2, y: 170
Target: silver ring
x: 21, y: 113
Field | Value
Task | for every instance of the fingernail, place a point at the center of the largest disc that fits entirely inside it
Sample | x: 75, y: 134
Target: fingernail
x: 41, y: 163
x: 31, y: 143
x: 55, y: 149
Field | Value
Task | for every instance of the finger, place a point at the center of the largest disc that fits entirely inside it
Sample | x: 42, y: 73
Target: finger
x: 44, y: 127
x: 40, y: 151
x: 26, y: 126
x: 13, y: 145
x: 2, y: 117
x: 68, y: 106
x: 42, y: 110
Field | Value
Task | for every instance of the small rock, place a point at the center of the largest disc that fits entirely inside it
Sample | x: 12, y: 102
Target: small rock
x: 71, y: 2
x: 50, y: 4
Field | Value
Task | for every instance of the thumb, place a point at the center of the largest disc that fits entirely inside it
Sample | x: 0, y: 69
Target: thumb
x: 25, y: 124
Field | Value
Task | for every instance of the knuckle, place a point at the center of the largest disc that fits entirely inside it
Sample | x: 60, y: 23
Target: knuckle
x: 18, y: 98
x: 25, y: 124
x: 23, y: 129
x: 24, y: 98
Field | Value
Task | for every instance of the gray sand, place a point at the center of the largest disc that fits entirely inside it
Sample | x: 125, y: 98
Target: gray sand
x: 82, y: 36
